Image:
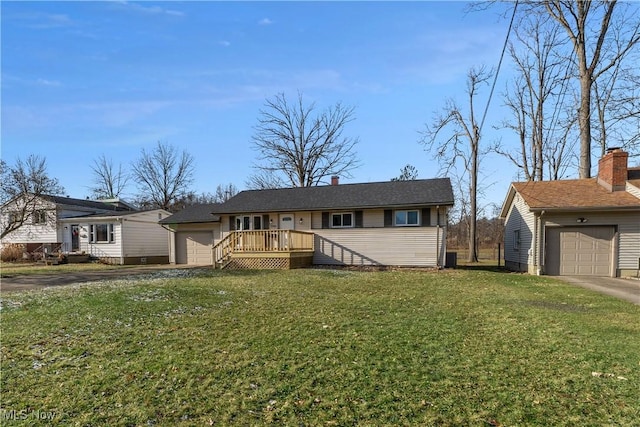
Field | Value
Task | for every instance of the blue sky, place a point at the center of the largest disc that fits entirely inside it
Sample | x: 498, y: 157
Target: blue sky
x: 82, y: 79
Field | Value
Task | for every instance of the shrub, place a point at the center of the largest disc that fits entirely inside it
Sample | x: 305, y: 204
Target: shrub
x: 12, y: 252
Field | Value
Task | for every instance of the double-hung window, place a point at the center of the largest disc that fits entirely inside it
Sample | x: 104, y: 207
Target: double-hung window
x: 101, y: 233
x: 39, y: 216
x: 407, y: 218
x: 342, y: 220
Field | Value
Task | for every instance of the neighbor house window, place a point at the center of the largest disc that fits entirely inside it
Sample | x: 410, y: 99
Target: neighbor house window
x: 342, y: 220
x: 101, y: 233
x: 407, y: 218
x: 39, y: 217
x: 516, y: 240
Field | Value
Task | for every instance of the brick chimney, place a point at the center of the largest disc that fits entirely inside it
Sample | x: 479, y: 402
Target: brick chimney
x: 335, y: 180
x: 612, y: 169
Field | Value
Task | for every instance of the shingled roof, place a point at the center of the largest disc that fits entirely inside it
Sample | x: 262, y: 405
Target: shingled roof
x: 573, y: 194
x: 194, y: 214
x: 85, y: 203
x: 423, y: 192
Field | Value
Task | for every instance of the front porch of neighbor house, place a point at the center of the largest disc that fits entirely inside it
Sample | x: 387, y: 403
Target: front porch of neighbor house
x: 264, y: 249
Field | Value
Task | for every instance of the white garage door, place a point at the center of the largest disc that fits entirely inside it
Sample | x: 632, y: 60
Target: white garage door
x: 580, y: 251
x: 194, y: 247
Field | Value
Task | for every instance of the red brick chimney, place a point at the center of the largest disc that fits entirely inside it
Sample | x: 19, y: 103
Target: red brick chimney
x: 612, y: 169
x: 335, y: 180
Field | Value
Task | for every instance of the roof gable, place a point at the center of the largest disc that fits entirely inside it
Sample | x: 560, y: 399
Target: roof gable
x: 425, y: 192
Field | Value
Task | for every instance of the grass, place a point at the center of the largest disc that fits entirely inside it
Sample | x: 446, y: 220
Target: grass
x: 25, y: 269
x: 321, y: 347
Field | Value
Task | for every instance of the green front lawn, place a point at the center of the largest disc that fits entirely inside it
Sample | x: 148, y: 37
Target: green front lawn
x: 321, y: 347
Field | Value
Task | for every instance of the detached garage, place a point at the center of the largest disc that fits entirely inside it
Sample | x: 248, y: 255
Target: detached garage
x: 192, y: 234
x: 579, y: 227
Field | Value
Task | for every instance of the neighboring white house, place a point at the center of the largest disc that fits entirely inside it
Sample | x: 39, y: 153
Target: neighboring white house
x: 109, y: 230
x: 396, y: 223
x: 576, y: 227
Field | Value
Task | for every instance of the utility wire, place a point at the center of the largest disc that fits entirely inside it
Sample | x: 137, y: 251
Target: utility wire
x: 495, y: 80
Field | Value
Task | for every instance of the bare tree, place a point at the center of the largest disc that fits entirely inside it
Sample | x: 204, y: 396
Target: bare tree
x: 109, y: 181
x: 163, y: 175
x: 537, y: 99
x: 455, y: 137
x: 407, y: 173
x: 299, y: 146
x: 22, y: 187
x: 617, y: 106
x: 600, y: 40
x: 224, y: 192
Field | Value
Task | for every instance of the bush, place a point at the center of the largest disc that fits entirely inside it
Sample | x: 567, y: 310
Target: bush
x: 12, y: 252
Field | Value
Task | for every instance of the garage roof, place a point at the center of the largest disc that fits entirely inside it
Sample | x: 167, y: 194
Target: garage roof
x: 193, y: 214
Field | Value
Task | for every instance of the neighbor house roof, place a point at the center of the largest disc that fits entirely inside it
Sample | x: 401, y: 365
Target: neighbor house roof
x: 193, y: 214
x: 89, y: 204
x: 424, y: 192
x: 573, y: 194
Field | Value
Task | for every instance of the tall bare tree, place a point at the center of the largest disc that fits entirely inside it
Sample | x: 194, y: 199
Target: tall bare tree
x: 299, y: 146
x: 537, y: 99
x: 163, y: 175
x: 109, y: 181
x: 454, y: 135
x: 600, y: 39
x: 21, y: 188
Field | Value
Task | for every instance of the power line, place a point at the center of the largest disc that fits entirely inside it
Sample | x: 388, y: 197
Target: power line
x: 495, y: 80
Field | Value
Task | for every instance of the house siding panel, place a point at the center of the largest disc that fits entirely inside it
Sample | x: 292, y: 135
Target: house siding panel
x: 380, y: 246
x: 144, y: 236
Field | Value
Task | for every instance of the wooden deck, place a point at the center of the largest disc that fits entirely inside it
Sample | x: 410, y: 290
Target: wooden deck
x: 264, y: 249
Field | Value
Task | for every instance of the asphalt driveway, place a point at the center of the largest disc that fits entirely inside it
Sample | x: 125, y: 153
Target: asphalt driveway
x: 41, y: 281
x: 626, y: 289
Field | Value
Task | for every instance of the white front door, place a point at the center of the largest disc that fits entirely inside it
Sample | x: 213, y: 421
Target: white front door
x: 287, y: 222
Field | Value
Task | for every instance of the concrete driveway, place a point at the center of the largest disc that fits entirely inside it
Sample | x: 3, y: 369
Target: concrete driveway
x: 626, y: 289
x: 41, y: 281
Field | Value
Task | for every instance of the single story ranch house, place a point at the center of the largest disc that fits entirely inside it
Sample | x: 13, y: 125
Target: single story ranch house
x: 396, y: 223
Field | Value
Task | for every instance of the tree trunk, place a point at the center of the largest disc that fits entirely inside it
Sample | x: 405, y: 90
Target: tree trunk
x: 584, y: 120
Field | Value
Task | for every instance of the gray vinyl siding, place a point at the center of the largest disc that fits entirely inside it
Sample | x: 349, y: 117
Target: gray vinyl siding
x: 401, y: 246
x: 633, y: 190
x: 522, y: 219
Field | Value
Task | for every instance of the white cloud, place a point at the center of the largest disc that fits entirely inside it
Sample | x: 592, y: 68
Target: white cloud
x: 50, y: 83
x: 151, y: 10
x: 265, y: 21
x: 224, y: 43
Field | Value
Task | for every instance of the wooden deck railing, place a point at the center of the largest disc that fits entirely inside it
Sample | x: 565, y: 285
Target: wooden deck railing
x: 262, y: 241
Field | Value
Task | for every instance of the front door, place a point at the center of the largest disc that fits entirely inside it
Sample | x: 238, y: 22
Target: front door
x: 287, y: 222
x: 75, y: 238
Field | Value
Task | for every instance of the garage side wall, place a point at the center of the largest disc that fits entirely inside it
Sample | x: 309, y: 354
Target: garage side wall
x: 519, y: 237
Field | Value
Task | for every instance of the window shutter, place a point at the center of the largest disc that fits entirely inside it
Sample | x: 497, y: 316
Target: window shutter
x: 325, y: 219
x: 265, y: 222
x: 388, y: 218
x: 426, y: 217
x: 359, y: 220
x: 232, y: 223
